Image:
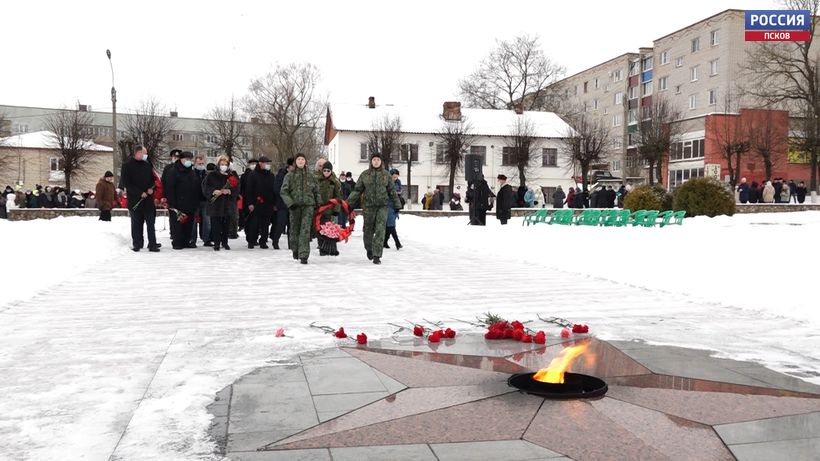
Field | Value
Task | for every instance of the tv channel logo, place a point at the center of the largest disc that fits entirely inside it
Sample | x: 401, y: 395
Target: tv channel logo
x: 778, y: 25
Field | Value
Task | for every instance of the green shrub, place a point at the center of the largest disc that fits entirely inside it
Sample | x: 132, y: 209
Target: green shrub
x: 648, y: 198
x: 704, y: 197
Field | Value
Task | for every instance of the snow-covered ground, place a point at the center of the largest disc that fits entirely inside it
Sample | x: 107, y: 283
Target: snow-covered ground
x: 104, y: 351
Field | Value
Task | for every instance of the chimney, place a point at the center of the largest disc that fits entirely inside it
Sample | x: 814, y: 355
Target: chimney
x: 519, y: 108
x: 371, y: 102
x: 254, y: 119
x: 174, y: 114
x: 83, y: 108
x: 452, y: 110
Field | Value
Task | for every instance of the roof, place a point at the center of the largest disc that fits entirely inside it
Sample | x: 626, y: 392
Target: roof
x: 43, y: 140
x: 427, y: 119
x: 700, y: 21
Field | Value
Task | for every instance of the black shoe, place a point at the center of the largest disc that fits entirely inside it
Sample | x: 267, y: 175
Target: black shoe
x: 275, y: 245
x: 263, y: 246
x: 323, y: 252
x: 386, y: 245
x: 398, y: 246
x: 158, y: 245
x: 208, y: 244
x: 334, y: 253
x: 154, y: 249
x: 177, y: 247
x: 216, y: 247
x: 303, y: 260
x: 295, y: 256
x: 135, y: 249
x: 250, y: 246
x: 233, y: 236
x: 225, y: 246
x: 370, y: 255
x: 377, y: 260
x: 191, y: 245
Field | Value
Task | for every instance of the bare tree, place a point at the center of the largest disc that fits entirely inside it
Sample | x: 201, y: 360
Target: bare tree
x: 455, y: 136
x: 386, y: 138
x: 763, y: 141
x: 289, y: 109
x: 515, y: 71
x: 148, y: 126
x: 731, y: 136
x: 586, y: 141
x: 226, y: 127
x: 787, y: 74
x: 5, y: 155
x: 71, y: 135
x: 522, y: 143
x: 656, y: 134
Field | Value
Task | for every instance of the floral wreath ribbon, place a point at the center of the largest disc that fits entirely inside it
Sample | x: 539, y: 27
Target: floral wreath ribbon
x: 343, y: 234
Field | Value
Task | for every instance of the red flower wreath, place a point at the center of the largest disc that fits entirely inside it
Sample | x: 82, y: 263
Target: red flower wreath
x: 331, y: 229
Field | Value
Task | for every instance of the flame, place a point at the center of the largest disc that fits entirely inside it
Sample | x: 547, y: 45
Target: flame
x: 554, y: 373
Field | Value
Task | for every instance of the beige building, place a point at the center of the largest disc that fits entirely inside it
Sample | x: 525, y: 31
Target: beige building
x: 30, y: 159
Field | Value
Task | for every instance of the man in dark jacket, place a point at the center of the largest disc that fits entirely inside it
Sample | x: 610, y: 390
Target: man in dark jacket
x: 478, y: 198
x: 347, y: 187
x: 183, y: 190
x: 201, y: 221
x: 743, y: 191
x: 280, y: 213
x: 379, y: 192
x: 504, y: 200
x: 259, y: 200
x: 137, y: 177
x: 243, y: 181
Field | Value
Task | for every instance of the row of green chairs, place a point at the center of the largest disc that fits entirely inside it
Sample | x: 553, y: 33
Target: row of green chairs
x: 606, y: 217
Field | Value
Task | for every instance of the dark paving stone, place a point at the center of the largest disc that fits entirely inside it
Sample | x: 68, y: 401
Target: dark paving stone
x: 417, y: 452
x: 804, y: 426
x: 489, y: 419
x: 498, y: 364
x: 274, y: 374
x: 322, y: 454
x: 508, y: 450
x: 714, y: 407
x: 792, y: 450
x: 341, y: 376
x: 331, y: 406
x: 281, y: 407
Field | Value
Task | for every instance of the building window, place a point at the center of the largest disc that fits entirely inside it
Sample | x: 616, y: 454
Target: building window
x: 177, y: 137
x: 508, y: 157
x: 662, y: 83
x: 618, y: 143
x: 632, y: 116
x: 632, y: 92
x: 665, y: 57
x: 56, y: 164
x: 594, y: 104
x: 713, y: 67
x: 617, y: 120
x: 549, y: 157
x: 21, y: 127
x: 647, y: 88
x: 585, y: 87
x: 634, y: 68
x: 619, y: 98
x: 576, y: 90
x: 713, y: 95
x: 687, y: 150
x: 693, y: 73
x: 212, y: 139
x: 364, y: 155
x: 679, y: 61
x: 695, y: 44
x: 647, y: 63
x: 678, y: 177
x: 413, y: 150
x: 606, y: 110
x: 194, y: 138
x: 616, y: 165
x: 677, y: 89
x: 480, y: 150
x: 597, y: 83
x: 714, y: 37
x: 693, y: 101
x: 617, y: 75
x: 441, y: 154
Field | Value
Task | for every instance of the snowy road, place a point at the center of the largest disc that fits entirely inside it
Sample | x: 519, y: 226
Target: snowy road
x: 120, y: 358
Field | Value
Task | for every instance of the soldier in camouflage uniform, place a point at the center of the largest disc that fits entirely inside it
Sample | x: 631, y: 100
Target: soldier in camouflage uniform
x: 300, y: 192
x: 329, y: 188
x: 379, y: 192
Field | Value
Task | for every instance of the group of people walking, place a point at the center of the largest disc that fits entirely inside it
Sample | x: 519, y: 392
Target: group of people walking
x: 264, y: 204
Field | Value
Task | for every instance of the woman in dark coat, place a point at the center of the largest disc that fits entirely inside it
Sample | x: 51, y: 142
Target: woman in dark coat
x: 220, y: 187
x: 558, y: 198
x: 505, y: 200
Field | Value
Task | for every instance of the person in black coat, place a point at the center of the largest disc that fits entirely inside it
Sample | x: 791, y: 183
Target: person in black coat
x: 504, y: 200
x: 743, y: 191
x: 801, y: 192
x: 243, y: 181
x: 182, y: 190
x: 221, y: 194
x: 137, y: 178
x: 280, y: 212
x: 260, y: 200
x: 754, y: 195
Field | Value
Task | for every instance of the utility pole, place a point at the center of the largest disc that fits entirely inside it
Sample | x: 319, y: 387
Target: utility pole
x: 114, y: 133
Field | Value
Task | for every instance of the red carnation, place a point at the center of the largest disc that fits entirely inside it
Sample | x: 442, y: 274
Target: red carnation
x: 259, y: 199
x: 508, y: 332
x: 526, y: 339
x: 448, y: 333
x: 578, y: 328
x: 518, y: 334
x: 233, y: 181
x: 361, y: 338
x: 340, y: 333
x: 540, y: 338
x: 565, y: 333
x: 418, y: 330
x: 517, y: 325
x: 435, y: 337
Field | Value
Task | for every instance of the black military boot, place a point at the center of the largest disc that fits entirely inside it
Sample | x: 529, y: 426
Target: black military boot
x: 377, y: 260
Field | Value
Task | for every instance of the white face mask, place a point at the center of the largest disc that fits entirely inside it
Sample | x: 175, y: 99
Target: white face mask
x: 266, y: 167
x: 144, y: 157
x: 223, y: 168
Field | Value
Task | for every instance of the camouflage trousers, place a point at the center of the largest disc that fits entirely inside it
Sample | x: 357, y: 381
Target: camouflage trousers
x: 375, y: 224
x: 301, y: 223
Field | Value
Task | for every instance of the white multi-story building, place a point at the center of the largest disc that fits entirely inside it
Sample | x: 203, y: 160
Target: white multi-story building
x: 348, y: 126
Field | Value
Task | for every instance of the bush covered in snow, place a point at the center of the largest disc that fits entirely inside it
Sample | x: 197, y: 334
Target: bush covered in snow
x: 704, y: 197
x: 648, y: 198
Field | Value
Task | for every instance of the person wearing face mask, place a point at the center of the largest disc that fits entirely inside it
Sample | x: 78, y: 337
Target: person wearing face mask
x: 221, y: 191
x: 329, y: 188
x: 182, y: 191
x: 505, y: 200
x: 300, y: 192
x: 106, y: 196
x: 243, y: 181
x: 137, y: 177
x: 379, y: 192
x: 201, y: 221
x: 259, y: 200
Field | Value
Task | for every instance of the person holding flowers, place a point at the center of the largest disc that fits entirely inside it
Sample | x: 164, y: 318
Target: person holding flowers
x: 329, y: 188
x: 137, y: 177
x: 300, y: 192
x: 221, y: 187
x: 182, y: 190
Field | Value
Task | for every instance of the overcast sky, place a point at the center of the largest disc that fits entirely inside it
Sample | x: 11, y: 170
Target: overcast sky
x: 191, y: 55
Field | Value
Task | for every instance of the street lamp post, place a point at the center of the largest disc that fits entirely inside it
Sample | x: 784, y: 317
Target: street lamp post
x: 114, y: 133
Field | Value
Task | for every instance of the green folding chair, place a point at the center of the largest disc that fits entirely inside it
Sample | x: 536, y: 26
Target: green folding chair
x: 665, y: 217
x: 678, y: 217
x: 590, y: 217
x: 622, y: 218
x: 637, y: 217
x: 609, y: 218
